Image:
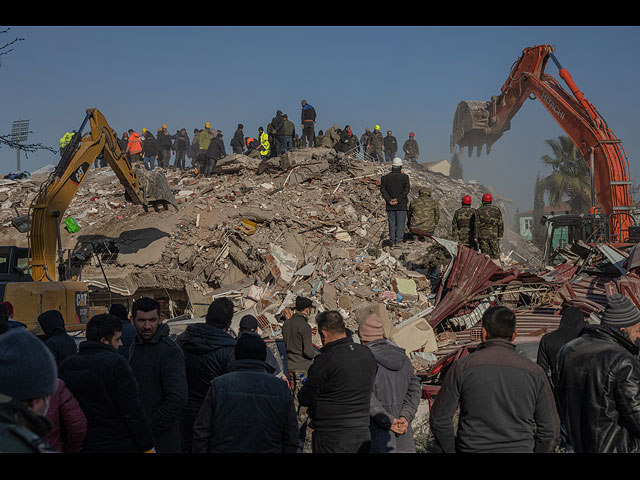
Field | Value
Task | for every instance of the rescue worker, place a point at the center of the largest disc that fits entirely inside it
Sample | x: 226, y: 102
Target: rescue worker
x: 375, y: 148
x: 165, y: 141
x: 410, y: 149
x: 464, y: 226
x: 490, y: 227
x: 423, y: 214
x: 203, y: 145
x: 265, y: 146
x: 134, y: 146
x: 308, y: 121
x: 65, y: 140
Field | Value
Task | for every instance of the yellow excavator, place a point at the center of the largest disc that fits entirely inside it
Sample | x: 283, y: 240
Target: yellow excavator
x: 35, y: 280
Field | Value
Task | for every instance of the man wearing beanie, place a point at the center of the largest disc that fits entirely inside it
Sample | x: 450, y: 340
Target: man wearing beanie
x: 597, y: 382
x: 28, y: 376
x: 396, y: 393
x: 247, y: 410
x: 338, y: 390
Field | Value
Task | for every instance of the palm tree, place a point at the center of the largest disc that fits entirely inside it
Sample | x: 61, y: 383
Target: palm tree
x: 570, y: 178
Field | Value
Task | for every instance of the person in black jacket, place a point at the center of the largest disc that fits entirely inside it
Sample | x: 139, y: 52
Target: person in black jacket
x: 308, y: 121
x: 208, y: 351
x: 149, y: 150
x: 158, y: 365
x: 597, y: 382
x: 128, y: 330
x: 237, y: 142
x: 214, y: 153
x: 338, y: 390
x: 390, y: 145
x: 108, y: 394
x: 180, y: 145
x: 505, y: 400
x: 247, y: 410
x: 571, y: 324
x: 395, y: 188
x: 277, y: 131
x: 61, y: 344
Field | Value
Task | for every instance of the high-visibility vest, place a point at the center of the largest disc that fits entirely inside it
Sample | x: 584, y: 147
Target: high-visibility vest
x: 135, y: 144
x: 266, y: 146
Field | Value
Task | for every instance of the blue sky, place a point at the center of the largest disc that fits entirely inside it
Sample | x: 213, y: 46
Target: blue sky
x: 402, y: 78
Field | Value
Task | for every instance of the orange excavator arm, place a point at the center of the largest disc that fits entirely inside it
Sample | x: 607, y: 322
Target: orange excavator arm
x: 57, y: 192
x: 483, y: 123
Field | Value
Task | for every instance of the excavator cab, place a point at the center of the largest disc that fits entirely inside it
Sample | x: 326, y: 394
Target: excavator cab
x: 564, y: 232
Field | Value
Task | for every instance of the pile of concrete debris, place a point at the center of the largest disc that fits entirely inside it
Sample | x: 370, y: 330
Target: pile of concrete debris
x: 311, y: 222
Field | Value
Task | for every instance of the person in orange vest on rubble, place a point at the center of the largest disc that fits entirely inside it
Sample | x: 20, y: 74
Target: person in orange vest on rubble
x: 134, y: 146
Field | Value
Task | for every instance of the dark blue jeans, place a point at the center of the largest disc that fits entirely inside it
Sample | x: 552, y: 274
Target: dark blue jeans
x: 397, y: 220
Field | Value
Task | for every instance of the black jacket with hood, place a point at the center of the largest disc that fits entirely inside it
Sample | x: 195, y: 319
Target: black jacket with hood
x: 61, y: 344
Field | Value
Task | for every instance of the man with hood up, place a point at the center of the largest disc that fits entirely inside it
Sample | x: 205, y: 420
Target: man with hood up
x: 61, y: 344
x: 396, y: 393
x: 208, y: 352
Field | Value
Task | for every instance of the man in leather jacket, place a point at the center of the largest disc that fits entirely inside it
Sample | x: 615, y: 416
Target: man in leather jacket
x: 597, y: 382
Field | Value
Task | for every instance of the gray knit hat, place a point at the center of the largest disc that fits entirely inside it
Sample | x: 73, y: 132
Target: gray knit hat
x: 620, y: 312
x: 27, y: 367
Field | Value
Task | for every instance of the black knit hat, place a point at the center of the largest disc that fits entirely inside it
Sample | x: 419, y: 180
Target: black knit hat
x: 250, y: 346
x: 620, y: 312
x: 302, y: 303
x: 27, y: 367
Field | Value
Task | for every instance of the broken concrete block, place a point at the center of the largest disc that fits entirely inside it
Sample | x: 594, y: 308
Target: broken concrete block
x: 415, y: 335
x: 405, y: 286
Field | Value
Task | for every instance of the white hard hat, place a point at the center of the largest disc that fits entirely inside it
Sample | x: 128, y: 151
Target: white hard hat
x: 397, y: 162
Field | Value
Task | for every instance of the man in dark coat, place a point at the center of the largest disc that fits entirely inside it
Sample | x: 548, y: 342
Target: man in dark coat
x: 571, y: 324
x: 237, y: 142
x: 208, y: 352
x: 597, y: 382
x: 338, y: 390
x: 396, y: 393
x: 108, y: 394
x: 164, y: 146
x: 61, y: 344
x: 215, y: 152
x: 395, y: 188
x: 390, y: 147
x: 181, y: 144
x: 308, y: 122
x: 247, y: 410
x: 506, y: 403
x: 158, y: 365
x: 128, y: 330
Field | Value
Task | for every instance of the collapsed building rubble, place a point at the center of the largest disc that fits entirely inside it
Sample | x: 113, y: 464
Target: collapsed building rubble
x: 312, y: 223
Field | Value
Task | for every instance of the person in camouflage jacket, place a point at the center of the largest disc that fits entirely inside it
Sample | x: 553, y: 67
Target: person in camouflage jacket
x: 374, y: 147
x: 464, y: 226
x: 490, y: 227
x: 411, y: 150
x: 424, y: 214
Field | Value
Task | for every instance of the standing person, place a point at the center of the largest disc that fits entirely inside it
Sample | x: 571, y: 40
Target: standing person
x: 277, y: 132
x: 390, y: 145
x: 288, y: 132
x: 411, y: 149
x: 192, y: 152
x: 157, y: 363
x: 396, y: 393
x: 108, y: 394
x: 571, y: 324
x: 464, y: 225
x: 61, y: 344
x: 249, y: 324
x: 208, y: 352
x: 164, y: 146
x: 308, y: 122
x: 395, y: 188
x: 265, y: 146
x: 247, y: 410
x: 364, y: 140
x: 134, y: 146
x: 338, y: 390
x: 180, y: 146
x: 214, y: 153
x: 596, y: 382
x: 27, y: 382
x: 237, y: 142
x: 490, y: 227
x: 376, y: 148
x: 128, y: 329
x: 69, y: 425
x: 122, y: 143
x: 506, y: 403
x: 204, y: 139
x: 423, y: 214
x: 149, y: 149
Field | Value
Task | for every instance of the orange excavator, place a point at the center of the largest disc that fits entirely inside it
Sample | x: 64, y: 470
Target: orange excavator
x: 478, y: 123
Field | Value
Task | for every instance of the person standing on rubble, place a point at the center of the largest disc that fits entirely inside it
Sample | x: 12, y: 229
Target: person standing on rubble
x: 364, y: 140
x: 247, y: 410
x: 375, y: 145
x: 490, y: 227
x: 597, y: 382
x: 395, y: 188
x: 338, y: 390
x: 423, y: 214
x: 157, y: 363
x: 208, y: 352
x: 204, y: 139
x: 164, y: 146
x: 506, y: 403
x: 277, y: 132
x: 288, y: 131
x: 237, y: 142
x: 464, y: 225
x: 308, y: 122
x: 410, y: 149
x: 396, y: 393
x: 265, y: 146
x: 180, y: 146
x: 149, y: 149
x: 390, y: 145
x: 134, y: 146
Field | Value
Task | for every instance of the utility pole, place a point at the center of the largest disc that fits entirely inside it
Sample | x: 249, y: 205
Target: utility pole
x: 19, y: 133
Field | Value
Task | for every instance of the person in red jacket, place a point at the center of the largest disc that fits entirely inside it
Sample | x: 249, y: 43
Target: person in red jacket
x: 69, y: 425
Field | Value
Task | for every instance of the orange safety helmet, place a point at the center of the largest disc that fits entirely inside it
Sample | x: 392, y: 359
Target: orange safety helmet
x: 487, y: 198
x: 466, y: 200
